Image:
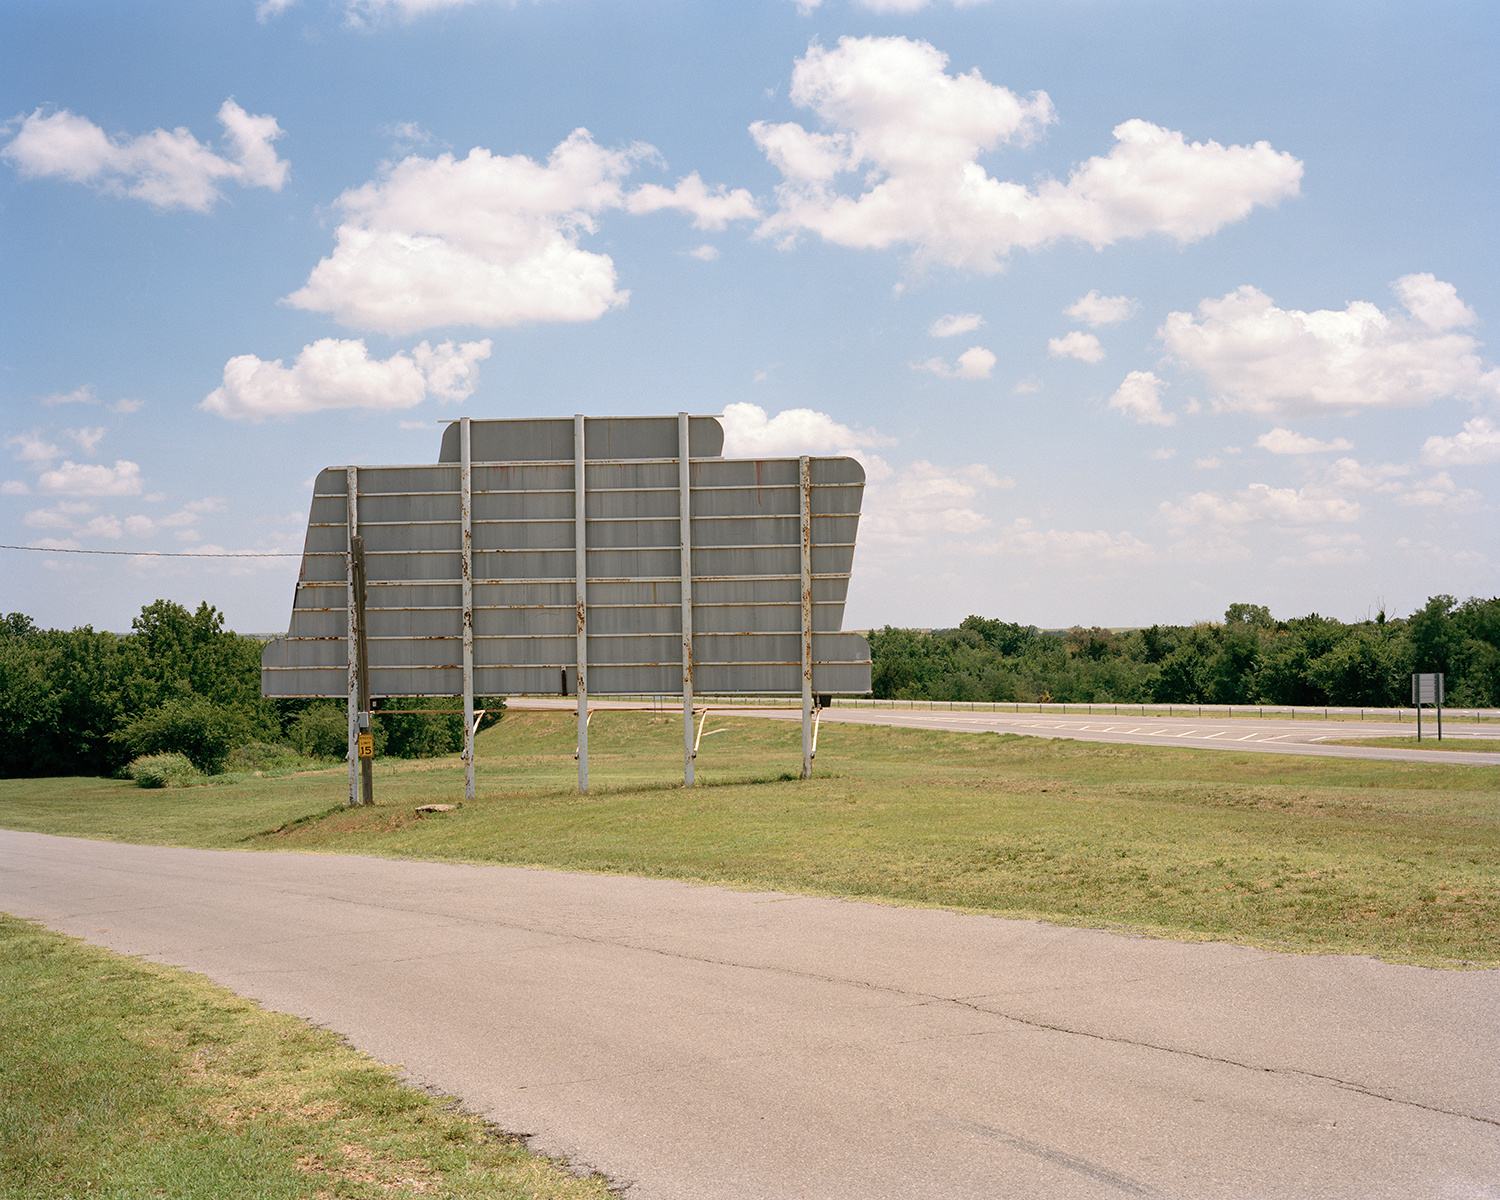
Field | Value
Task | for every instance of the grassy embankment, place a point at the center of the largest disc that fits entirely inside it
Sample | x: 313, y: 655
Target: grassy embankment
x: 1401, y: 860
x: 1429, y: 741
x: 121, y: 1079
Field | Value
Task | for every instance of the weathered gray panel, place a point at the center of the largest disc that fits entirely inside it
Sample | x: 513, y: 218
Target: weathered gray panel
x: 753, y: 531
x: 523, y: 622
x: 634, y: 564
x: 625, y: 533
x: 663, y: 619
x: 746, y: 565
x: 779, y: 617
x: 604, y: 437
x: 711, y: 563
x: 530, y: 651
x: 496, y: 565
x: 523, y: 595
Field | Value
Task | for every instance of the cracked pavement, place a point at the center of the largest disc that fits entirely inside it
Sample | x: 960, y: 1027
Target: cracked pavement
x: 693, y: 1042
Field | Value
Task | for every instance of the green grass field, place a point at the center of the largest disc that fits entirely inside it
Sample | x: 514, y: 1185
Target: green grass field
x: 122, y: 1080
x: 1429, y: 742
x: 1400, y: 860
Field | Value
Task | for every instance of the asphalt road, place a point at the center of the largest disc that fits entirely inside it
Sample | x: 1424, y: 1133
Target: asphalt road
x: 692, y: 1042
x: 1277, y: 735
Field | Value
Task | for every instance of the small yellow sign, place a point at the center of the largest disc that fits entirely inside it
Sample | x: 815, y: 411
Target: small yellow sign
x: 366, y: 745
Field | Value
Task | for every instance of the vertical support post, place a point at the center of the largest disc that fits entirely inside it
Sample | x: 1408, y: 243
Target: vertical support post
x: 580, y: 567
x: 684, y: 500
x: 804, y: 492
x: 362, y: 660
x: 465, y: 513
x: 1439, y: 691
x: 351, y: 487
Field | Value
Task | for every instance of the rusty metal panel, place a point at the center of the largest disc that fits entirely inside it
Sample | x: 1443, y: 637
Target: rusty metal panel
x: 736, y: 527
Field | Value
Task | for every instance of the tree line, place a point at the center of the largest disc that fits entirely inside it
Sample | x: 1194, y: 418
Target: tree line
x: 1248, y: 658
x: 81, y: 702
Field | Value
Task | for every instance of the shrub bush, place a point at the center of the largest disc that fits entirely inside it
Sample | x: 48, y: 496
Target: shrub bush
x: 262, y: 756
x: 190, y: 725
x: 321, y: 732
x: 163, y: 770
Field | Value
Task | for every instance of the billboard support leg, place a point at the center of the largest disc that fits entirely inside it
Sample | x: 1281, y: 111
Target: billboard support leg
x: 580, y: 566
x: 362, y: 661
x: 465, y: 508
x: 804, y: 489
x: 351, y: 485
x: 684, y: 501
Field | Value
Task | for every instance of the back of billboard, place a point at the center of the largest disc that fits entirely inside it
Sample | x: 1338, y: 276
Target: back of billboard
x: 740, y: 555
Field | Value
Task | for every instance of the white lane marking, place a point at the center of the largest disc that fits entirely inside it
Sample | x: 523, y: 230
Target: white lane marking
x: 1246, y: 738
x: 1218, y: 733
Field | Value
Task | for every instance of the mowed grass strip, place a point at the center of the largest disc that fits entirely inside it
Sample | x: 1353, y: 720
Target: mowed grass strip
x: 1399, y: 860
x: 1430, y: 741
x: 119, y: 1078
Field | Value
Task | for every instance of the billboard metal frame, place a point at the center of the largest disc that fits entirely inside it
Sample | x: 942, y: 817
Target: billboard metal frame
x: 758, y: 570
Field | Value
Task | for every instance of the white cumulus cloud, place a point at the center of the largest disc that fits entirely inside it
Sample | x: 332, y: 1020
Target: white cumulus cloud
x: 1139, y: 396
x: 168, y: 170
x: 1022, y: 536
x: 1083, y: 346
x: 1478, y: 445
x: 921, y: 504
x: 974, y: 363
x: 954, y: 324
x: 1262, y: 503
x: 88, y: 437
x: 710, y: 208
x: 489, y: 240
x: 1441, y: 492
x: 1096, y: 311
x: 335, y: 373
x: 31, y: 448
x: 79, y: 395
x: 1284, y: 441
x: 750, y: 433
x: 1264, y: 359
x: 89, y: 479
x: 910, y: 135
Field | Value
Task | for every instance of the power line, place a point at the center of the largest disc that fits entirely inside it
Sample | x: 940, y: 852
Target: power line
x: 148, y: 553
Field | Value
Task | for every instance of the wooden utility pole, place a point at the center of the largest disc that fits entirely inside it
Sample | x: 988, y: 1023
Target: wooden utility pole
x: 361, y: 634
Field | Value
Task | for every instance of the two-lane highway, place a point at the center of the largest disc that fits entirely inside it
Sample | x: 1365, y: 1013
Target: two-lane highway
x: 1273, y: 735
x: 703, y: 1044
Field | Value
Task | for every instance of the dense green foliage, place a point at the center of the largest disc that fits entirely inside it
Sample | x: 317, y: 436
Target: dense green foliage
x: 77, y: 702
x: 1250, y: 658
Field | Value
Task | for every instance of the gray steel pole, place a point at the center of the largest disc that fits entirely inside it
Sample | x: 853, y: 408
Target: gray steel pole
x: 804, y: 491
x: 351, y: 488
x: 581, y: 573
x: 684, y: 469
x: 465, y: 511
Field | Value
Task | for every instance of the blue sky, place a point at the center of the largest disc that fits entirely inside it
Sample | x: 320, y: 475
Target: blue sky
x: 1131, y: 310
